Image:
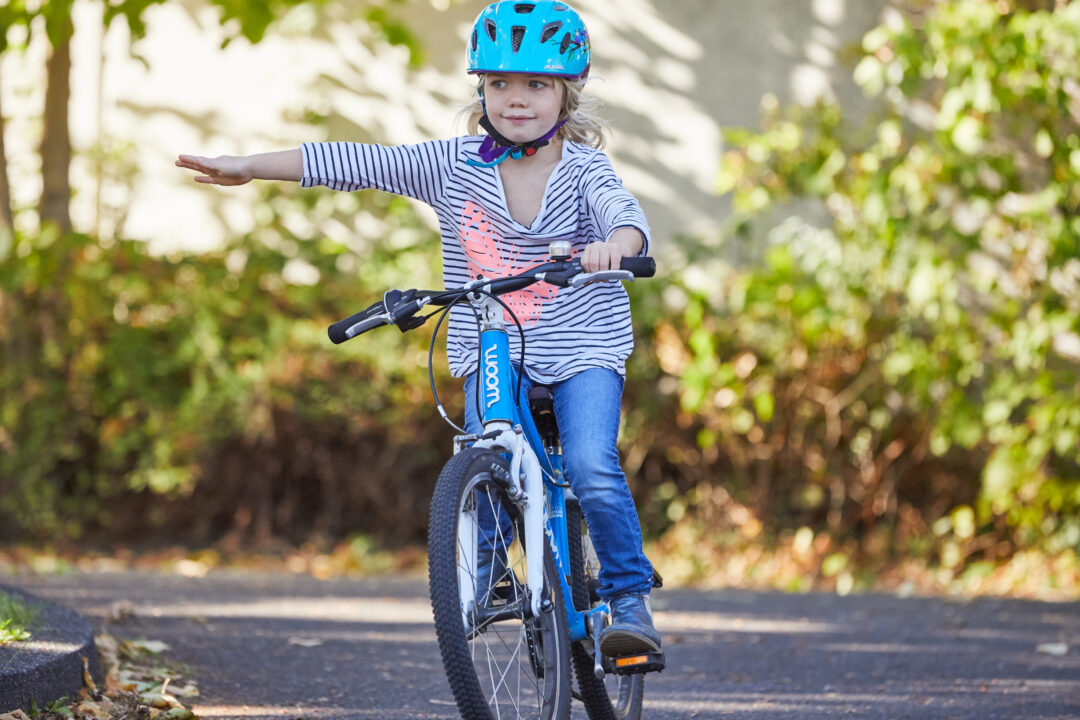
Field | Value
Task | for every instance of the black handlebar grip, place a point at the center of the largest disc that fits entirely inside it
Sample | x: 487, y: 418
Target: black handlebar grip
x: 337, y: 330
x: 640, y: 266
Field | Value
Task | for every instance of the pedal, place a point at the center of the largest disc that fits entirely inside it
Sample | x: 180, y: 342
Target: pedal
x: 635, y: 664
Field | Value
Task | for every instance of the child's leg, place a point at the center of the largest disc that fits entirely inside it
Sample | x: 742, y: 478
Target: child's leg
x: 587, y: 409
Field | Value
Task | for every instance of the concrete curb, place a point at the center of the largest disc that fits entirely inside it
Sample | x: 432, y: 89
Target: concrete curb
x: 49, y: 665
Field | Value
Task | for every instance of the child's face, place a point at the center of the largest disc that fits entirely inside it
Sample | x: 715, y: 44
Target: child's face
x: 523, y: 107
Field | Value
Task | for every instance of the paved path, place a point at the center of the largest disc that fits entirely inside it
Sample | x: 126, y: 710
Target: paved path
x: 251, y: 642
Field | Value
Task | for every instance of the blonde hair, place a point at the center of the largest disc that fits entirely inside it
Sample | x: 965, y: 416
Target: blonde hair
x: 581, y: 112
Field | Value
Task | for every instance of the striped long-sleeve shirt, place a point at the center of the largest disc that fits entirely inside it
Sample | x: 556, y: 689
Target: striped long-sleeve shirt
x: 567, y: 329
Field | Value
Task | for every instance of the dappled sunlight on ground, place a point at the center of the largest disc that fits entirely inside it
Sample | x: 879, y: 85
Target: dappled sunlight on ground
x: 714, y: 563
x: 719, y: 622
x: 331, y: 609
x: 254, y: 711
x: 290, y: 646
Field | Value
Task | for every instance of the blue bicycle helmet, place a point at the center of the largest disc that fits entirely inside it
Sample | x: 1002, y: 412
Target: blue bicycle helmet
x: 545, y: 37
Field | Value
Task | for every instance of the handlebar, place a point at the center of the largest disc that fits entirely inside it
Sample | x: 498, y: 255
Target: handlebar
x: 400, y: 308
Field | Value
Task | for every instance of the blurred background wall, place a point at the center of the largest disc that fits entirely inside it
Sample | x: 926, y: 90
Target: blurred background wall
x: 671, y: 73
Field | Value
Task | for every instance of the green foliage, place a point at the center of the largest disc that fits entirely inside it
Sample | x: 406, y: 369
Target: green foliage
x: 11, y: 14
x: 252, y: 19
x: 126, y: 373
x: 921, y: 350
x: 16, y: 619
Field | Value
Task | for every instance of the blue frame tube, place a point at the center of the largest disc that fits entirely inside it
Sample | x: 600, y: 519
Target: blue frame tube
x: 496, y: 377
x: 498, y: 380
x: 556, y: 503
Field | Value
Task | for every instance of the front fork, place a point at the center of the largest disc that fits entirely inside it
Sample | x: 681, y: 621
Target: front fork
x: 526, y: 489
x: 526, y: 482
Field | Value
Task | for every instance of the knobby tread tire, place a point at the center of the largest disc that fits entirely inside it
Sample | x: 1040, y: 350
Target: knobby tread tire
x: 594, y: 693
x: 454, y: 480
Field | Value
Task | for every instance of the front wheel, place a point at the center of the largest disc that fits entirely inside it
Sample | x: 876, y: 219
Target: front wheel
x: 616, y: 697
x: 501, y: 661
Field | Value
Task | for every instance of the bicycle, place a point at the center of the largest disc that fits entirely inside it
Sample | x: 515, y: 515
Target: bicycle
x: 507, y: 543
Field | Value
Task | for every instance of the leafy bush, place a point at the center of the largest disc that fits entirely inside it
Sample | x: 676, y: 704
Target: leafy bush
x: 199, y: 394
x: 912, y: 362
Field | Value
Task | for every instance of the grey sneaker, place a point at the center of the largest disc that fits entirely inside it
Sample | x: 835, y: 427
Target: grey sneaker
x: 631, y: 630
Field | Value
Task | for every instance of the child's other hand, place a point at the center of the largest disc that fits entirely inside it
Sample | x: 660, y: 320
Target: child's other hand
x: 222, y: 170
x: 601, y: 256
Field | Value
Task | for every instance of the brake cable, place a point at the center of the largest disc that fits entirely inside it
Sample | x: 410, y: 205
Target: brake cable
x: 443, y: 313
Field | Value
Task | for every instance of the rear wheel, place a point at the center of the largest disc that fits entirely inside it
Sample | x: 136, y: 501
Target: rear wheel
x: 616, y: 697
x: 501, y: 661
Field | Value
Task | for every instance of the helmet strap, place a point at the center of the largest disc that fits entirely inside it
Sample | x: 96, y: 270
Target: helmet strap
x: 496, y: 147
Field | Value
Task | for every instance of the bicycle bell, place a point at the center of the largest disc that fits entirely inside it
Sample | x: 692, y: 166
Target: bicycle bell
x: 559, y: 250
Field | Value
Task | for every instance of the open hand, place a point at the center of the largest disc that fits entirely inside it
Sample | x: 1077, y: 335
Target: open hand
x: 222, y: 170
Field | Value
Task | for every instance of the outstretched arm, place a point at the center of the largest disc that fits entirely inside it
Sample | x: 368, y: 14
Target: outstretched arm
x: 237, y: 170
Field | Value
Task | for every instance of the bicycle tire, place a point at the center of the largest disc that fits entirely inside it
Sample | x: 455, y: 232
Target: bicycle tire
x: 512, y: 667
x: 617, y: 697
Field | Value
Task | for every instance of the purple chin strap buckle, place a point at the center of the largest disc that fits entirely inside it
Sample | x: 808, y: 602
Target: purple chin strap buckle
x: 495, y: 148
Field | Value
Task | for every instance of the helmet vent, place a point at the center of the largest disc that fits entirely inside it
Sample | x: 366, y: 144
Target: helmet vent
x: 489, y: 27
x: 517, y: 34
x: 524, y: 8
x: 474, y: 41
x: 549, y: 31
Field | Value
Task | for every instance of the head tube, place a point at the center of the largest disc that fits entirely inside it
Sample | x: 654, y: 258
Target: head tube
x: 495, y: 377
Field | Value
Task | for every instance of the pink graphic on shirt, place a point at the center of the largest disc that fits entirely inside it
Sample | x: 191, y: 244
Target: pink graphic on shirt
x: 491, y: 257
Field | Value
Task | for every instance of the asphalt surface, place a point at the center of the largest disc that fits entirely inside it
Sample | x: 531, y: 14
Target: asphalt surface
x: 276, y: 646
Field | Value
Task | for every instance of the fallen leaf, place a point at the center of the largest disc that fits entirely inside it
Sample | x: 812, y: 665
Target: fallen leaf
x: 108, y: 649
x: 191, y: 568
x: 120, y: 611
x: 114, y: 685
x: 305, y: 642
x: 88, y: 679
x: 154, y: 646
x: 185, y: 691
x: 160, y: 701
x: 93, y: 710
x: 1057, y: 649
x: 14, y: 715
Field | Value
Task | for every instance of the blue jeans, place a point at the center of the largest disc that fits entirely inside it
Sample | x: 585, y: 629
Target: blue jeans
x: 587, y: 410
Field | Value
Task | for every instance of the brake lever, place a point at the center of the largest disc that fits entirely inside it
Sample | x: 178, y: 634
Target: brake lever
x: 405, y: 317
x: 401, y: 309
x: 367, y: 324
x: 600, y: 276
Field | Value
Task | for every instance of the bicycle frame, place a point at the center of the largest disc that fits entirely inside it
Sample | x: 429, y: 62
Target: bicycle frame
x: 510, y: 467
x: 509, y: 428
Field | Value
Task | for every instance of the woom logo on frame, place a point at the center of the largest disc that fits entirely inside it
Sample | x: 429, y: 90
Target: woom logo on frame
x: 491, y: 376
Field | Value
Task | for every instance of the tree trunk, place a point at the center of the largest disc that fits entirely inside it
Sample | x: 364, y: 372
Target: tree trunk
x: 56, y: 140
x: 6, y: 217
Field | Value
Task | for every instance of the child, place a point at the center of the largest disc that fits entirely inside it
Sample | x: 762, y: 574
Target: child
x: 537, y: 176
